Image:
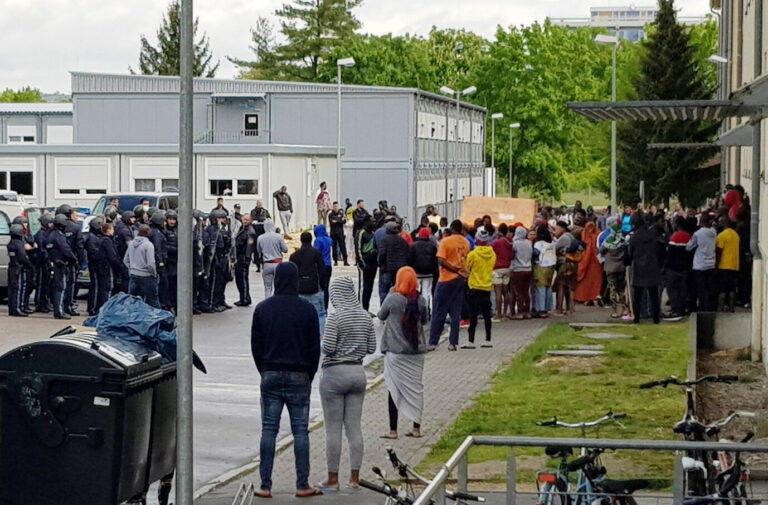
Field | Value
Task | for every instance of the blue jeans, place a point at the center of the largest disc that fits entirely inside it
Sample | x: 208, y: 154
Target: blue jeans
x: 145, y: 288
x: 542, y: 301
x: 386, y: 281
x: 291, y: 389
x: 318, y: 303
x: 449, y: 297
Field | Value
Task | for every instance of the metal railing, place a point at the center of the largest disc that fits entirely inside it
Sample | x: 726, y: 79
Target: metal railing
x: 458, y: 460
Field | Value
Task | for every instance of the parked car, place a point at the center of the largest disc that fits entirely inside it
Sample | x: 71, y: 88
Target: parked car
x: 163, y: 201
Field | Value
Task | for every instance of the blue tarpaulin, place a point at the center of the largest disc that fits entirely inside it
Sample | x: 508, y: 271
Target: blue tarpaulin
x: 127, y: 317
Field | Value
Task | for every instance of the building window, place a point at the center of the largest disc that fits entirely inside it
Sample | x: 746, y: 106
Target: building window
x: 145, y: 185
x: 169, y: 185
x: 20, y: 182
x: 22, y: 134
x: 247, y: 187
x: 220, y: 187
x: 251, y: 128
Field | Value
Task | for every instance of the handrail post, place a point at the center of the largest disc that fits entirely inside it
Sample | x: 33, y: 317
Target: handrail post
x: 463, y: 473
x: 678, y: 484
x: 511, y: 477
x: 440, y: 494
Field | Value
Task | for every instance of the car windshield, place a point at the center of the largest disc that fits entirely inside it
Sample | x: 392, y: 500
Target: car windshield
x: 127, y: 202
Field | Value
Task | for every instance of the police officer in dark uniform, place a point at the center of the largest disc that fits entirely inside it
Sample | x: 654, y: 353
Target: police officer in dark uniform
x: 157, y: 237
x: 102, y: 261
x: 19, y: 267
x: 29, y: 271
x: 63, y: 259
x: 123, y: 236
x: 110, y: 214
x: 168, y: 287
x: 245, y: 251
x: 217, y: 242
x: 141, y: 217
x: 200, y: 280
x: 77, y: 245
x: 337, y: 218
x: 259, y: 214
x: 42, y: 264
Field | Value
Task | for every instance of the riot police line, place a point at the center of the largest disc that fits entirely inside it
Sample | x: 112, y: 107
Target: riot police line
x: 48, y: 263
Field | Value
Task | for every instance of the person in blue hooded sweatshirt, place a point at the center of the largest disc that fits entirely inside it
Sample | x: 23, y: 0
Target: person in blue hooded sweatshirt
x: 324, y: 244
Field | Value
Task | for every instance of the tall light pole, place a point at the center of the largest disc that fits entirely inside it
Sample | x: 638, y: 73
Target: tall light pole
x: 340, y: 64
x: 512, y: 128
x: 494, y: 117
x: 458, y: 94
x: 614, y: 41
x: 721, y: 61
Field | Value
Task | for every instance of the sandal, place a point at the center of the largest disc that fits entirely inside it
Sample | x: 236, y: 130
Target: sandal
x: 451, y: 347
x: 311, y: 492
x: 388, y: 437
x: 411, y: 435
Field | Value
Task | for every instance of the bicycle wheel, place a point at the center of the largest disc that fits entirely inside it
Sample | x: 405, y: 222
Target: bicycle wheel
x: 553, y: 495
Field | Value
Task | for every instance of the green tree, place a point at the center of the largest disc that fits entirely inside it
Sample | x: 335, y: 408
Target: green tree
x: 312, y: 29
x: 672, y: 68
x: 165, y: 59
x: 26, y: 94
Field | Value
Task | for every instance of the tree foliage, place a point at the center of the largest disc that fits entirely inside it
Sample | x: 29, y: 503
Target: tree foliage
x: 26, y: 94
x: 312, y: 29
x: 165, y: 59
x: 672, y: 68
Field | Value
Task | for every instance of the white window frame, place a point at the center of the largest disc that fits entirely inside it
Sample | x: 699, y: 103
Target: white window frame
x: 160, y: 162
x: 257, y: 131
x: 237, y: 161
x: 19, y: 130
x: 85, y: 160
x: 32, y: 170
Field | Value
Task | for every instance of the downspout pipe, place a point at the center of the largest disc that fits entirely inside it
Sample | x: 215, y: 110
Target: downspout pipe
x: 757, y: 257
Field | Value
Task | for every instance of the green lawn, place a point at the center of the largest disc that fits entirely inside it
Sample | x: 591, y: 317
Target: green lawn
x: 523, y: 393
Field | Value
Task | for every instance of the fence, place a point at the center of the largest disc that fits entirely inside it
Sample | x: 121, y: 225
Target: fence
x: 436, y: 489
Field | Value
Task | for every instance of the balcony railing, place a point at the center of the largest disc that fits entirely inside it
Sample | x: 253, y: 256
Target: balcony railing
x: 220, y: 137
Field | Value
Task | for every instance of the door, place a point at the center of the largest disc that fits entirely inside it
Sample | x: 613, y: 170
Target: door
x: 312, y: 188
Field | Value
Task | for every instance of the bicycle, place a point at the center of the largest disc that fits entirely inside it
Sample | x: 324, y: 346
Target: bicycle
x: 406, y: 493
x: 591, y: 485
x: 699, y: 477
x: 732, y: 473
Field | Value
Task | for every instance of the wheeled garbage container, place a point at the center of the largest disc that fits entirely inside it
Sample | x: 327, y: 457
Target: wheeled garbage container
x: 84, y: 419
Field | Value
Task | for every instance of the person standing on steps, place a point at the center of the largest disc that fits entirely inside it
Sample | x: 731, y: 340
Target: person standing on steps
x: 403, y: 343
x: 337, y: 219
x: 449, y: 294
x: 271, y: 247
x: 284, y: 208
x: 286, y: 351
x: 348, y: 337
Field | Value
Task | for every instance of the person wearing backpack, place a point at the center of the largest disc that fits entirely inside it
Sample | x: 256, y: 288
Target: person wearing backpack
x: 367, y: 260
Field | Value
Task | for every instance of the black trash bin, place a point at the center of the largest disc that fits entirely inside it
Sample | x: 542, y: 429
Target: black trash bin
x: 84, y: 419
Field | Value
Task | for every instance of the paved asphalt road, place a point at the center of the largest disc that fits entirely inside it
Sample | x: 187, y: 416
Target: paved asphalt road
x: 227, y: 413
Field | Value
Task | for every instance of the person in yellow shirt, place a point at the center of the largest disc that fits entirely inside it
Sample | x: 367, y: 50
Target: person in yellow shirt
x: 480, y: 263
x: 727, y: 263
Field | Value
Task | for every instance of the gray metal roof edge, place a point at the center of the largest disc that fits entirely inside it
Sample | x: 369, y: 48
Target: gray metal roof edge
x: 650, y: 103
x: 116, y: 149
x: 35, y: 113
x: 210, y: 85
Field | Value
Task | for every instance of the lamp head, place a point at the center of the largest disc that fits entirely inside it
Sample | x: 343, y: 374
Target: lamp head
x: 346, y: 62
x: 498, y: 115
x: 447, y: 91
x: 716, y: 58
x: 514, y: 125
x: 606, y: 39
x: 469, y: 90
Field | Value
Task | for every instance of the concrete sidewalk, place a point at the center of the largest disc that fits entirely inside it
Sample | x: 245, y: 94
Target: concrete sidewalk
x: 451, y: 381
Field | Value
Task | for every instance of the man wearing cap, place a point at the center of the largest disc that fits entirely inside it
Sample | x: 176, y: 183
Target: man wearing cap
x: 237, y: 215
x: 422, y: 257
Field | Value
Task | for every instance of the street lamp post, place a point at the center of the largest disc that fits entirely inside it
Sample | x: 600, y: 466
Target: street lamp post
x: 614, y: 41
x: 458, y: 94
x: 494, y: 117
x: 340, y: 64
x: 512, y: 128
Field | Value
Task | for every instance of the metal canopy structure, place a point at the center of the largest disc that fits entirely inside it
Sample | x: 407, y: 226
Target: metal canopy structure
x: 754, y: 94
x: 661, y: 110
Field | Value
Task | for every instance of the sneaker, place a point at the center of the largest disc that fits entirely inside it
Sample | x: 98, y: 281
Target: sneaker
x: 497, y: 320
x: 627, y: 318
x: 464, y: 323
x: 468, y: 346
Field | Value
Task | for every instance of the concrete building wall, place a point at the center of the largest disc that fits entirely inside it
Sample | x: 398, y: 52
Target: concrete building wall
x: 133, y: 118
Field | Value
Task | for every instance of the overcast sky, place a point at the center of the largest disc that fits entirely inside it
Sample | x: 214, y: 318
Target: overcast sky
x: 42, y: 40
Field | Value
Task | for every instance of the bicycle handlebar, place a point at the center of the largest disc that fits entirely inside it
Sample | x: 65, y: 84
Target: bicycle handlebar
x: 674, y: 381
x: 584, y: 424
x: 386, y: 490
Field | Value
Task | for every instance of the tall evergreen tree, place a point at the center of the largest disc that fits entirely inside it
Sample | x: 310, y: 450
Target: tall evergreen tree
x: 165, y: 59
x: 670, y: 71
x: 312, y: 29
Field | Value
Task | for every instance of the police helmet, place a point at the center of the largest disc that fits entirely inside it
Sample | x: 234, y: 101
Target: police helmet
x: 96, y: 224
x: 22, y: 220
x: 138, y: 212
x: 60, y: 221
x: 218, y: 214
x: 64, y: 209
x: 151, y: 211
x: 199, y: 215
x: 46, y: 220
x: 17, y: 230
x: 158, y: 219
x: 110, y: 213
x: 127, y: 216
x: 171, y: 214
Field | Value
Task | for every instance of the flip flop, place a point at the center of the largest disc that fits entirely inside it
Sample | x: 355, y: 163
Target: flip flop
x: 411, y: 435
x: 451, y: 347
x: 315, y: 492
x: 327, y: 489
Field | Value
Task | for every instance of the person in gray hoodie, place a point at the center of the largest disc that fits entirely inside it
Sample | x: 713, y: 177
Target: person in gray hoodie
x: 522, y: 273
x: 271, y: 247
x: 140, y: 261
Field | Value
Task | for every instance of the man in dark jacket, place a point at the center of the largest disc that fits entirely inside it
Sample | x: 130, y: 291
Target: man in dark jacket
x: 217, y: 242
x: 646, y: 272
x: 367, y: 260
x: 324, y: 244
x: 169, y: 279
x: 63, y: 259
x: 677, y: 269
x: 284, y: 208
x: 122, y: 238
x: 393, y: 254
x: 259, y: 214
x: 18, y: 267
x: 77, y: 245
x: 286, y: 351
x: 98, y: 267
x: 360, y: 216
x: 43, y: 265
x: 422, y: 257
x: 245, y: 251
x: 311, y: 267
x: 337, y: 219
